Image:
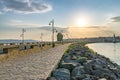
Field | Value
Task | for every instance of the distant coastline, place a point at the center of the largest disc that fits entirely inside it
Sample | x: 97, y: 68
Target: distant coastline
x: 15, y: 41
x: 87, y: 40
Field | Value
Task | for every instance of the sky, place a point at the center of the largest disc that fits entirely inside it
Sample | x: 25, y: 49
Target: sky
x: 102, y: 15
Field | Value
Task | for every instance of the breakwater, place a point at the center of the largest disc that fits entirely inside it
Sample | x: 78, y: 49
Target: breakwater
x: 81, y: 63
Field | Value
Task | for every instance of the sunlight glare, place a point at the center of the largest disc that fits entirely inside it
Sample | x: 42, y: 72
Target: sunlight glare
x: 81, y: 22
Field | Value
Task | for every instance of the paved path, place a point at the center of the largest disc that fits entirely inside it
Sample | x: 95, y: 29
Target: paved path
x: 36, y: 66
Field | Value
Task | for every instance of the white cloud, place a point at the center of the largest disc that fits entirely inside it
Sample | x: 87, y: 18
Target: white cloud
x: 23, y: 24
x: 16, y: 21
x: 116, y: 19
x: 24, y: 6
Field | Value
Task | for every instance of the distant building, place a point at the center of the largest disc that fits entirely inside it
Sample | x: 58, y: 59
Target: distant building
x: 114, y: 38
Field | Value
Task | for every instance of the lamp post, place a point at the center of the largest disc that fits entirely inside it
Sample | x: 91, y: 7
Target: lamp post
x: 52, y: 24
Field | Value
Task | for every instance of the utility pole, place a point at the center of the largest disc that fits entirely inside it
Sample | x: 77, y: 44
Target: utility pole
x: 52, y: 24
x: 41, y: 40
x: 22, y: 35
x: 41, y: 37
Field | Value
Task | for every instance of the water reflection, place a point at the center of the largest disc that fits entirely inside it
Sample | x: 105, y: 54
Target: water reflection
x: 114, y: 47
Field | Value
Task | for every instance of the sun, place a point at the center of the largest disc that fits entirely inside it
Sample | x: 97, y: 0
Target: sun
x: 81, y: 22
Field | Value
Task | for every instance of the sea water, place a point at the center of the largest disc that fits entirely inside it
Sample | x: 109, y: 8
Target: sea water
x: 110, y: 50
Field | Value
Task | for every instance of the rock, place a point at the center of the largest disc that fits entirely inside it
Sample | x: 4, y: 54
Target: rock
x: 86, y: 79
x: 88, y: 55
x: 78, y: 73
x: 82, y: 60
x: 51, y: 78
x: 95, y: 64
x: 69, y: 61
x: 85, y: 64
x: 61, y: 74
x: 109, y: 76
x: 102, y: 73
x: 66, y: 56
x: 97, y: 68
x: 69, y: 65
x: 77, y: 52
x: 101, y: 62
x: 88, y: 66
x: 115, y: 70
x: 74, y: 57
x: 118, y: 67
x: 102, y: 79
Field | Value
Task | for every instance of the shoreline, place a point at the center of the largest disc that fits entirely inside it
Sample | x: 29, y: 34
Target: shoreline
x: 81, y: 63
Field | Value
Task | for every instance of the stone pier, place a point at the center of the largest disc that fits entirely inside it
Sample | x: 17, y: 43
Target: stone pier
x: 36, y: 66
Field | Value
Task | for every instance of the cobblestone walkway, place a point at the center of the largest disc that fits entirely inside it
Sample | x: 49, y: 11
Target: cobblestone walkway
x: 32, y: 67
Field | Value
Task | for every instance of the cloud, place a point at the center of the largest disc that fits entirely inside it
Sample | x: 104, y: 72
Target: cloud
x: 24, y: 6
x: 16, y: 21
x: 116, y: 19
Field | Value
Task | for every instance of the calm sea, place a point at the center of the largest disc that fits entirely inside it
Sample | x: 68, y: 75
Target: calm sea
x: 110, y: 50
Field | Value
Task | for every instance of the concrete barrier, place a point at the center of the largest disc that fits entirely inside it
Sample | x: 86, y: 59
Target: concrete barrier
x: 21, y: 48
x: 3, y: 50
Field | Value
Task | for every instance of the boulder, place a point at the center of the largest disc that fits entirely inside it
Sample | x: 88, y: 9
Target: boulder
x: 118, y: 67
x: 109, y: 76
x: 69, y: 65
x: 95, y: 64
x: 88, y: 66
x: 82, y: 60
x: 98, y: 69
x: 74, y: 58
x: 61, y: 74
x: 77, y: 52
x: 86, y: 79
x: 102, y: 79
x: 115, y: 70
x: 78, y: 73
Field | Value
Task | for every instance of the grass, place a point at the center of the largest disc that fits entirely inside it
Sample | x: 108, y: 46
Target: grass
x: 67, y: 50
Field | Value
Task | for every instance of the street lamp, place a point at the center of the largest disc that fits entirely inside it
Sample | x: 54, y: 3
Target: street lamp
x: 52, y: 24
